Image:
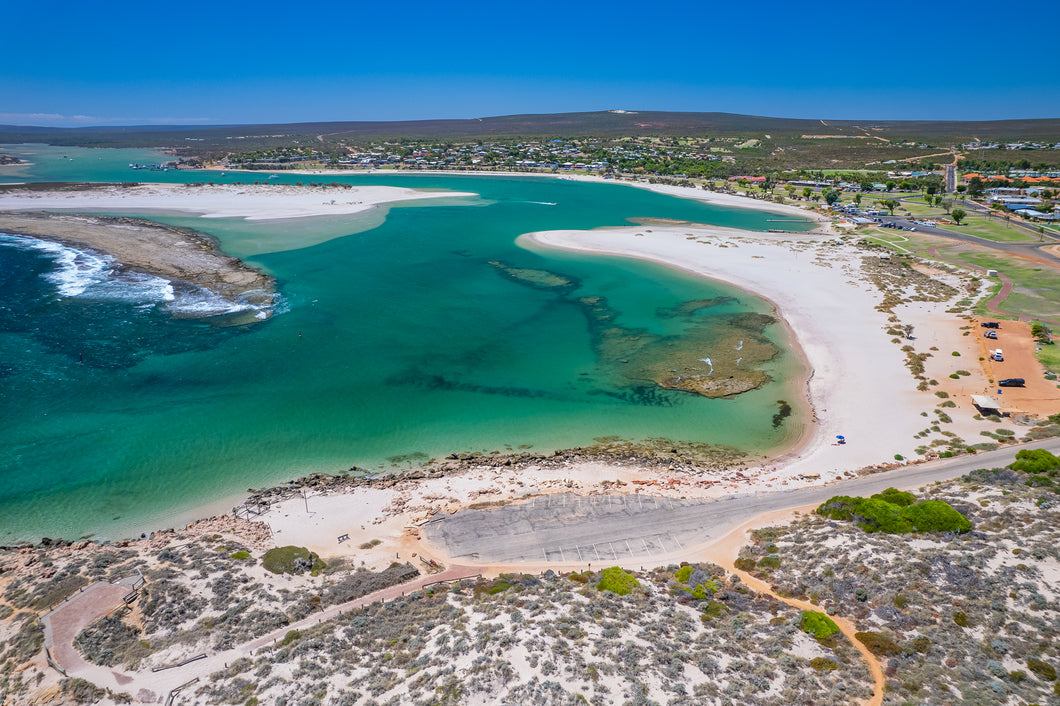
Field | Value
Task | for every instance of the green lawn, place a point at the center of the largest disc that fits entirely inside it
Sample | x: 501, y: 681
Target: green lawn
x: 991, y: 229
x: 1050, y: 357
x: 1036, y: 290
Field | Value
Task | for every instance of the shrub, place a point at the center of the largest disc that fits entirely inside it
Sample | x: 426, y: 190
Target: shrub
x: 745, y: 564
x: 895, y: 497
x: 81, y: 691
x: 818, y: 624
x: 1035, y: 461
x: 936, y: 516
x: 769, y: 562
x: 292, y: 560
x: 241, y: 554
x: 683, y: 573
x: 1042, y: 670
x: 617, y: 580
x: 823, y: 664
x: 961, y: 619
x: 371, y: 543
x: 713, y: 609
x: 878, y: 644
x: 704, y: 590
x: 875, y: 514
x: 291, y: 636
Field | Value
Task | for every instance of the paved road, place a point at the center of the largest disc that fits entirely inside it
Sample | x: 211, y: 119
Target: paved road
x: 568, y: 528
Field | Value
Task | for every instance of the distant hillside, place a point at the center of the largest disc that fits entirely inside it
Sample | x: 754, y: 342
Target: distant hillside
x: 600, y: 124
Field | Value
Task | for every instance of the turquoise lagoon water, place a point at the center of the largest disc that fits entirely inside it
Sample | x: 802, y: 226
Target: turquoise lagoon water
x: 401, y: 336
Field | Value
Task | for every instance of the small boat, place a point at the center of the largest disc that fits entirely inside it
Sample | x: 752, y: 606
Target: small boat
x: 273, y: 176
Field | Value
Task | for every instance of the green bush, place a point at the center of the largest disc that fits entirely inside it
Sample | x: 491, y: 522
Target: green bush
x: 712, y: 610
x: 877, y: 514
x: 241, y: 554
x: 769, y: 562
x: 285, y: 560
x: 1042, y: 670
x: 961, y: 619
x: 936, y: 516
x: 705, y: 590
x: 895, y: 497
x: 617, y: 581
x: 878, y: 644
x: 818, y: 624
x: 1035, y: 461
x: 291, y: 636
x: 745, y: 564
x: 683, y: 573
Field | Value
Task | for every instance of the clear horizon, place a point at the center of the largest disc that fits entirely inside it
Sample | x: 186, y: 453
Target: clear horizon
x: 210, y: 64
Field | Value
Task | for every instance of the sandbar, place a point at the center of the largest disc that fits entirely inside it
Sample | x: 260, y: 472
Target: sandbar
x: 255, y: 202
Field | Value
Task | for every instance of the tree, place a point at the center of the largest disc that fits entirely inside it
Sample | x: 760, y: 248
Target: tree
x: 958, y: 215
x: 866, y: 186
x: 890, y: 185
x: 975, y: 186
x: 806, y: 192
x: 831, y: 196
x: 961, y: 188
x: 891, y: 204
x: 857, y: 199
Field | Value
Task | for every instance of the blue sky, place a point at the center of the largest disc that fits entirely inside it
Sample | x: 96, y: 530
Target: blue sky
x: 196, y: 62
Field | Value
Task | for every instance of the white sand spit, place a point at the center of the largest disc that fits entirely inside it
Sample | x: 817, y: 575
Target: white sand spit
x: 254, y: 202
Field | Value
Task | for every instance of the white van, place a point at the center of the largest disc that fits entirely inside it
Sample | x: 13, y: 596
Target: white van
x: 998, y: 356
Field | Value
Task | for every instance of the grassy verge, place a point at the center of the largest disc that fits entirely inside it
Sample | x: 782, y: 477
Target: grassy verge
x: 1036, y: 290
x: 1049, y: 356
x: 991, y: 229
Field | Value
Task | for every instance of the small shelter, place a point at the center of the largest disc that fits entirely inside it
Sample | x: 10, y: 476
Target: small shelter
x: 986, y: 405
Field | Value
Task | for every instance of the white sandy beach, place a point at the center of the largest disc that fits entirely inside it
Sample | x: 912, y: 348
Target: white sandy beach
x: 251, y: 202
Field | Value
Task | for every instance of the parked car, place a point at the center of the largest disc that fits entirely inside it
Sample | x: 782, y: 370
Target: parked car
x: 1011, y: 382
x: 997, y: 355
x: 991, y: 324
x: 990, y: 334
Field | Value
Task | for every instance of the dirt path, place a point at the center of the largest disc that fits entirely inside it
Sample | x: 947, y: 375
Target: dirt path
x: 724, y: 553
x: 147, y: 686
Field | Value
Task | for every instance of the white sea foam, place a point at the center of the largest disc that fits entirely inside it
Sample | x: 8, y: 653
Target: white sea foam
x: 740, y: 347
x: 707, y: 361
x: 89, y: 275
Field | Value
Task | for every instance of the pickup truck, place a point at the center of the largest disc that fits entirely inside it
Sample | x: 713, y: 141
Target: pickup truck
x: 991, y: 324
x: 1011, y: 382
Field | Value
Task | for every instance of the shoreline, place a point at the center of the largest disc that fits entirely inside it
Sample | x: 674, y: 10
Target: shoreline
x: 178, y: 255
x: 710, y: 197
